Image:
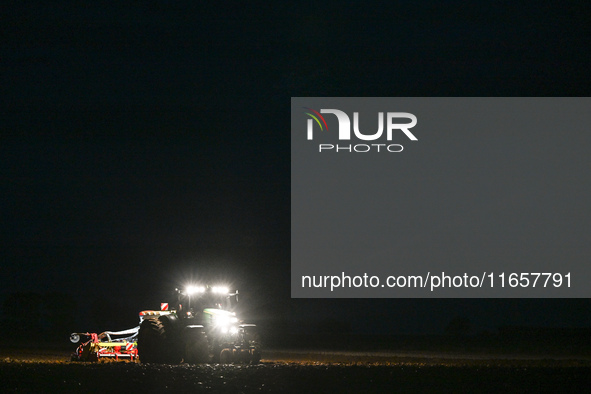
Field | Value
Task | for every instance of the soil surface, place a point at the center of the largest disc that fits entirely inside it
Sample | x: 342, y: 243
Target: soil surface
x: 299, y: 371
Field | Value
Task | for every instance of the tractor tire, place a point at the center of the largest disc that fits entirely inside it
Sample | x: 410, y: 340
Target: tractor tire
x: 255, y: 357
x: 226, y: 356
x: 197, y: 352
x: 215, y: 353
x: 155, y: 344
x: 253, y: 339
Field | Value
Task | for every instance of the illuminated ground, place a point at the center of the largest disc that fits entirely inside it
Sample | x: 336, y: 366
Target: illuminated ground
x: 299, y: 371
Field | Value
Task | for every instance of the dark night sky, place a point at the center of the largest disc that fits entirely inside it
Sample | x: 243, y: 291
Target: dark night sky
x: 143, y: 144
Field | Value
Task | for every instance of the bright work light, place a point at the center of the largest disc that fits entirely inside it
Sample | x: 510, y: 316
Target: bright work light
x: 190, y: 290
x: 220, y: 289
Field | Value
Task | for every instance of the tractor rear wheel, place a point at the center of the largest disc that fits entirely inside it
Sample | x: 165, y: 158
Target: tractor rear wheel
x: 155, y: 344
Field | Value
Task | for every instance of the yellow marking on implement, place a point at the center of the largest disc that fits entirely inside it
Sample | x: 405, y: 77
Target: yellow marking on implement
x: 112, y: 344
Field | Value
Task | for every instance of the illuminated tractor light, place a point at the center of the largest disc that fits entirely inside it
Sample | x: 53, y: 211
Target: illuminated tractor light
x: 220, y: 289
x: 225, y: 320
x: 190, y: 290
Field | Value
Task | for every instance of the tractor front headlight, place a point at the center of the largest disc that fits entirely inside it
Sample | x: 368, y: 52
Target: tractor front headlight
x: 224, y: 321
x: 231, y: 330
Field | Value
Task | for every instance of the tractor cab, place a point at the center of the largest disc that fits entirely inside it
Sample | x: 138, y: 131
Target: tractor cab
x: 194, y: 300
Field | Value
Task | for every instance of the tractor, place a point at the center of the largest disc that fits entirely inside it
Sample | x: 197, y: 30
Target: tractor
x: 201, y: 329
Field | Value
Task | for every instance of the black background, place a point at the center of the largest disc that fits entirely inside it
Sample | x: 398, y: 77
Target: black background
x: 143, y: 146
